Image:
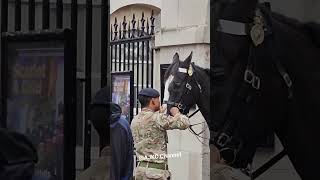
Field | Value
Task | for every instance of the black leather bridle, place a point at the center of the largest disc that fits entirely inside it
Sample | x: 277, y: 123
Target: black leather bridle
x: 224, y: 133
x: 188, y: 88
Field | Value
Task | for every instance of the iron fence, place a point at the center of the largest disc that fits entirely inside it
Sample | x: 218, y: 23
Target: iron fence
x: 131, y: 49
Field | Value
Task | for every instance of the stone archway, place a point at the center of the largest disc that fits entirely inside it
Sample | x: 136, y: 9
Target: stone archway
x: 116, y: 5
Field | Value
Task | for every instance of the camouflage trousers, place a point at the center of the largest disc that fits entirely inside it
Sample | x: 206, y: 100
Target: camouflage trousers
x: 143, y: 173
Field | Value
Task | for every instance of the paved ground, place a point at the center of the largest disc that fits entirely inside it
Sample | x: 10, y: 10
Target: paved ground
x: 283, y: 170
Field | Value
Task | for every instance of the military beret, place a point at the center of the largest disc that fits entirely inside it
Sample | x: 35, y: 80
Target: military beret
x: 149, y: 92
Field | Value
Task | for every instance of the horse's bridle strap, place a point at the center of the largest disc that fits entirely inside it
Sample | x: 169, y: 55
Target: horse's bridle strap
x: 240, y: 28
x: 234, y: 28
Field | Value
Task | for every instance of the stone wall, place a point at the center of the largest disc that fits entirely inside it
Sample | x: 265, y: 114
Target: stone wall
x: 185, y: 28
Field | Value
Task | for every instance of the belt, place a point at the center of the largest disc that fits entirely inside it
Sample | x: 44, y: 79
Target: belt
x: 162, y: 166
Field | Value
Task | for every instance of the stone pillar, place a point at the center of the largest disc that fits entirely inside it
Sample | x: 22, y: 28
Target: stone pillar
x: 185, y: 27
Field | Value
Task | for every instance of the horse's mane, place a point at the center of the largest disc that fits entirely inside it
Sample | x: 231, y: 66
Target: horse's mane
x: 311, y: 30
x: 206, y: 70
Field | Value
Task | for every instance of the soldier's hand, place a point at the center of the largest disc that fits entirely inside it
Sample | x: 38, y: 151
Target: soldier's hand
x: 174, y: 111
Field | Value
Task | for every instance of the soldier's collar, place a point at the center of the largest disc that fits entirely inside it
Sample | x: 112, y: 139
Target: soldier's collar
x: 147, y: 109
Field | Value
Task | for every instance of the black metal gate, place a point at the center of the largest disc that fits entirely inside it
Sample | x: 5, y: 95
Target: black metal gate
x: 28, y: 8
x: 131, y: 49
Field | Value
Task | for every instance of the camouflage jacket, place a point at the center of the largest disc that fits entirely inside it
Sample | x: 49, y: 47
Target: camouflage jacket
x: 150, y: 136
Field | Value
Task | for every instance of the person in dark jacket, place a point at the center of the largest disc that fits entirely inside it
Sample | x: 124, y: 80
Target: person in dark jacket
x: 116, y: 161
x: 121, y: 145
x: 100, y: 108
x: 99, y: 117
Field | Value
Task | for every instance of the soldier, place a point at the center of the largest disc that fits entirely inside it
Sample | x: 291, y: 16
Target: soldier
x: 150, y: 136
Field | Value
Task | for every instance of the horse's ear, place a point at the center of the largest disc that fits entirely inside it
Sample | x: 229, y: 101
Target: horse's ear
x: 176, y: 58
x: 189, y: 58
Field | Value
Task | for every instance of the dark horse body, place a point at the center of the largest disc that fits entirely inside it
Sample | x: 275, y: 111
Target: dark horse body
x: 296, y: 47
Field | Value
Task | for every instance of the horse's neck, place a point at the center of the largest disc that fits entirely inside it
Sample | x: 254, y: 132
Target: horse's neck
x: 205, y: 110
x: 204, y: 101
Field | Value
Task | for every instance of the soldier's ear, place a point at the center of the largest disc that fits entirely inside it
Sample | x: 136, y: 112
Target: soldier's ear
x: 151, y: 102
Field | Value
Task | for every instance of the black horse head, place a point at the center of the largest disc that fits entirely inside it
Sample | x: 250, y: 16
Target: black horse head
x: 180, y: 85
x: 186, y: 85
x: 263, y: 65
x: 236, y: 127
